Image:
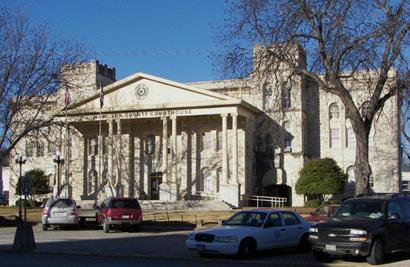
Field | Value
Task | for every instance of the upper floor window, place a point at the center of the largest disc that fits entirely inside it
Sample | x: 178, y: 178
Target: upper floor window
x: 286, y: 95
x: 334, y: 137
x: 40, y: 149
x: 30, y: 147
x: 350, y: 137
x: 52, y: 148
x: 267, y: 89
x: 206, y: 141
x: 334, y: 111
x: 287, y: 137
x: 219, y: 142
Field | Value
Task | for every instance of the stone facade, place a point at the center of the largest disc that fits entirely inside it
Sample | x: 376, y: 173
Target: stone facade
x: 158, y: 139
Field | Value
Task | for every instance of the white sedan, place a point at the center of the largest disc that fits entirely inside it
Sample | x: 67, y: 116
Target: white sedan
x: 249, y: 231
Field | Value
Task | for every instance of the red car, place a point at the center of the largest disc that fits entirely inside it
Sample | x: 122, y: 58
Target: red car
x: 322, y: 213
x: 120, y: 213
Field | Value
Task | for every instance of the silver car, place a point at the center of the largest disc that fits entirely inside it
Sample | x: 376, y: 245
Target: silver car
x: 60, y: 211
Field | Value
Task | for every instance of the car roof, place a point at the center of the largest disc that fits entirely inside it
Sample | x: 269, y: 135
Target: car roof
x: 264, y: 210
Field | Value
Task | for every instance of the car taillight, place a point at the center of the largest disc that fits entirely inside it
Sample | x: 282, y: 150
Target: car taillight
x: 108, y: 213
x: 45, y: 212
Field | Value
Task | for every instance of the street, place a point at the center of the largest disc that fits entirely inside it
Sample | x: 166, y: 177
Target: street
x: 152, y: 246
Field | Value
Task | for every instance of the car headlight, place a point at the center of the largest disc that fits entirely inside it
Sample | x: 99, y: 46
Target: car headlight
x: 191, y: 236
x: 358, y: 232
x: 226, y: 239
x: 313, y: 230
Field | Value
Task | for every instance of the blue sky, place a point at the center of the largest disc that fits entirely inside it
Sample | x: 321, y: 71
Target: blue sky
x: 168, y: 38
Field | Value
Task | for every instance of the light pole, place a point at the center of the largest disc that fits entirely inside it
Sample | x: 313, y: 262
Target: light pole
x: 20, y: 160
x: 59, y: 159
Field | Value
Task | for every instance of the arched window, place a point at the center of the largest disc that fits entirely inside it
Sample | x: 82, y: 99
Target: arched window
x: 364, y: 109
x: 267, y: 89
x: 350, y: 174
x: 334, y: 111
x: 350, y: 137
x: 286, y: 95
x: 334, y: 137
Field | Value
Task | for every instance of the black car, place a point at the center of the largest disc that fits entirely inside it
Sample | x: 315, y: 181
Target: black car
x: 369, y: 225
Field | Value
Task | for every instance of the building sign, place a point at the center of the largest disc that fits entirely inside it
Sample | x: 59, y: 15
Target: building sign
x: 136, y: 114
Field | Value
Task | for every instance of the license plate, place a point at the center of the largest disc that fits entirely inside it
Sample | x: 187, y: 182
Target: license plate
x: 59, y: 213
x: 200, y: 247
x: 125, y: 216
x: 330, y: 247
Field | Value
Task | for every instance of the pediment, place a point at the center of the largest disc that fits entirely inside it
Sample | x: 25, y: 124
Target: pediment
x: 141, y: 91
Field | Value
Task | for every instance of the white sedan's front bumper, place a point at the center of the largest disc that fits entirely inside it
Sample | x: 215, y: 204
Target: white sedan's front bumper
x: 230, y: 248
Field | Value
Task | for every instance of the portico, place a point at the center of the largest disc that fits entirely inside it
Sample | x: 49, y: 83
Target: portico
x: 162, y: 140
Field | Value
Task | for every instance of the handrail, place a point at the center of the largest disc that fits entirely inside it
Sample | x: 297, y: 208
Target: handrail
x: 276, y: 202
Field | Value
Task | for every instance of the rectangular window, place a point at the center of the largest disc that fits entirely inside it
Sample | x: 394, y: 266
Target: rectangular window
x: 334, y: 137
x: 219, y: 143
x: 350, y: 137
x: 206, y: 141
x: 52, y: 148
x: 40, y: 149
x: 29, y: 149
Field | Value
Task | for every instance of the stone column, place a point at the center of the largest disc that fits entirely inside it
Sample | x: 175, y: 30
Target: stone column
x: 224, y: 148
x: 234, y: 147
x: 164, y: 150
x: 174, y: 149
x: 118, y: 183
x: 110, y: 149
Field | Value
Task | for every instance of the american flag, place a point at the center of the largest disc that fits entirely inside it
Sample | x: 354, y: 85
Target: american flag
x: 67, y: 97
x: 101, y: 96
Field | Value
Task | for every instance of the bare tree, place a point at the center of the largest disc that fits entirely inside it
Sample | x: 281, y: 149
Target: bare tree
x: 364, y: 41
x: 30, y: 75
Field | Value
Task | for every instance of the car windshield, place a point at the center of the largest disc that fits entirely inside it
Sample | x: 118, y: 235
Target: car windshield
x: 255, y: 219
x: 367, y: 209
x: 125, y: 204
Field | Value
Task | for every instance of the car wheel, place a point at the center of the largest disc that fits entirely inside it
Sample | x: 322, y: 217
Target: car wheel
x: 106, y: 226
x: 247, y: 249
x: 45, y: 227
x: 304, y: 245
x: 321, y: 256
x: 377, y: 253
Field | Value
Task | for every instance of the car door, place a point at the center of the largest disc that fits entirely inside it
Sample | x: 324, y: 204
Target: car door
x: 272, y: 236
x: 405, y: 208
x: 292, y: 229
x: 394, y: 225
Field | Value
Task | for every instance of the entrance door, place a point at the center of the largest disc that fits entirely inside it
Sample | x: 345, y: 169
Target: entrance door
x: 155, y: 181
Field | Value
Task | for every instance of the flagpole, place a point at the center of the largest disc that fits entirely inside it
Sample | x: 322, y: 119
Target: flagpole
x: 100, y: 140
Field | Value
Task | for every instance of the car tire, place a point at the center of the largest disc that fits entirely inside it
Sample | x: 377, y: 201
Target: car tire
x: 321, y: 256
x: 376, y: 256
x: 247, y: 249
x: 45, y: 227
x: 304, y: 244
x: 106, y: 226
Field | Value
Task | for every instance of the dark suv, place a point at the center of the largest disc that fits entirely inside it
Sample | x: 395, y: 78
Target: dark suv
x: 368, y: 225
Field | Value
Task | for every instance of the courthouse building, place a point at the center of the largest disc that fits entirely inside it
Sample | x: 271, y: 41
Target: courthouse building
x: 163, y: 140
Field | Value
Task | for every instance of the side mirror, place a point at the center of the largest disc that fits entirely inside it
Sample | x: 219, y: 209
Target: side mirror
x: 394, y: 216
x: 78, y: 207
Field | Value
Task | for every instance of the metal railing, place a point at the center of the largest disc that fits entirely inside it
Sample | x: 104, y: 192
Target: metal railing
x: 275, y: 202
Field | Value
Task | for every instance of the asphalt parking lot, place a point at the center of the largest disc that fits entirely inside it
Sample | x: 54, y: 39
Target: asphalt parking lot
x: 160, y: 243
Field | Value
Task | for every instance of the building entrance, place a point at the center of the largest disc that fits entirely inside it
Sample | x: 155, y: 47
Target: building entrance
x: 155, y: 181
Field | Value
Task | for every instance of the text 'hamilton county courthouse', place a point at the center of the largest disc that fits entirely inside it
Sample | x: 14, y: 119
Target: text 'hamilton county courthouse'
x: 219, y: 141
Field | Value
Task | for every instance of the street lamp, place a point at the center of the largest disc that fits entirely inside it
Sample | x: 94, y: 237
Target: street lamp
x: 59, y: 159
x: 20, y: 160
